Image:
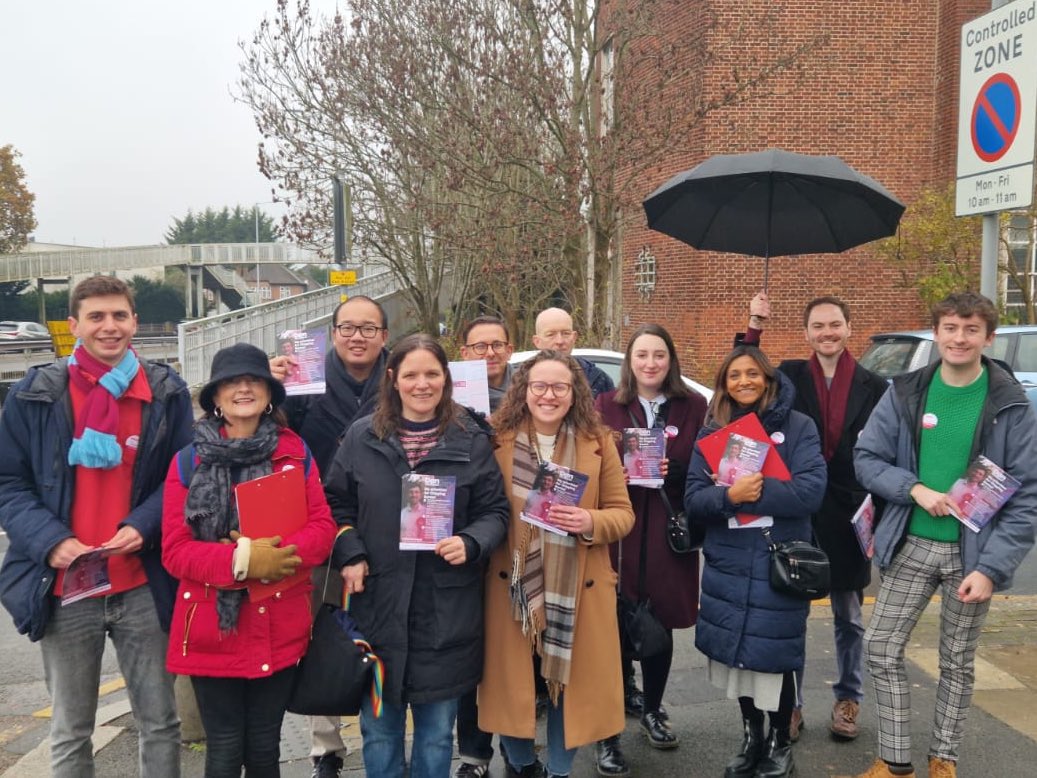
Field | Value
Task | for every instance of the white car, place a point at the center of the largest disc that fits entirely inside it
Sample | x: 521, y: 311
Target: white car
x: 610, y: 361
x: 22, y: 330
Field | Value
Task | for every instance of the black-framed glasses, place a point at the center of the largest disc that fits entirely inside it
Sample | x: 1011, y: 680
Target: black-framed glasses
x: 366, y: 330
x: 558, y: 389
x: 480, y: 349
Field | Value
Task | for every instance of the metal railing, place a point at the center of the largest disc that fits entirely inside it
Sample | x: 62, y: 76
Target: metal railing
x: 200, y: 339
x: 62, y: 264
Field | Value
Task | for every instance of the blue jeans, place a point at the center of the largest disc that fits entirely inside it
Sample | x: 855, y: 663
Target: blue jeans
x: 383, y: 737
x: 849, y: 646
x: 72, y: 648
x: 520, y: 752
x: 242, y: 719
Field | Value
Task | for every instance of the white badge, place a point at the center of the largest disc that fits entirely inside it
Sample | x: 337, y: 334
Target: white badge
x: 929, y: 421
x: 133, y: 441
x: 778, y: 437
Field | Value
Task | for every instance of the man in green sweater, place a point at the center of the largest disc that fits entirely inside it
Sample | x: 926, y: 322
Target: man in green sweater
x: 918, y: 441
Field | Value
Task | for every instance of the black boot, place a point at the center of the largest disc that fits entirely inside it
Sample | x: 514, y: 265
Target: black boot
x: 777, y: 756
x: 610, y: 758
x: 633, y: 698
x: 744, y: 765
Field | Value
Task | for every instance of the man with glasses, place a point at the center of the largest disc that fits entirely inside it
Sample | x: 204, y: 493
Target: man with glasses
x: 554, y: 330
x: 486, y: 337
x: 353, y: 370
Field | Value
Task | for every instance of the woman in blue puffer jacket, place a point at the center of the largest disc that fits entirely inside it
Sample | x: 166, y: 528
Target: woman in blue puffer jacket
x: 754, y: 636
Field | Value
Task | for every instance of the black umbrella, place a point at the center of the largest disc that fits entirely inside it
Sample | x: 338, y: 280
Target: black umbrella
x: 772, y: 203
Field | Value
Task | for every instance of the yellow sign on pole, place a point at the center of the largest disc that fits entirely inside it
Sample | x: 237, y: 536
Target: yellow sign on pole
x: 342, y: 277
x: 61, y: 337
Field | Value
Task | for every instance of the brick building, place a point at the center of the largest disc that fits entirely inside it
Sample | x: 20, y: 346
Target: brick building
x: 879, y: 89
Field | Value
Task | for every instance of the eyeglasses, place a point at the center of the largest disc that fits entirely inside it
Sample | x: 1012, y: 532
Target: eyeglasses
x: 480, y: 349
x: 564, y: 334
x: 539, y: 388
x: 366, y: 330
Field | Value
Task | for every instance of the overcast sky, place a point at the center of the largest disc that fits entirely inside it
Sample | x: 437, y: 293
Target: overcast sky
x: 123, y: 114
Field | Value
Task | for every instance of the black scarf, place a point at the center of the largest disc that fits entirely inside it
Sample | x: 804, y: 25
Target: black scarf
x: 209, y: 509
x: 348, y: 395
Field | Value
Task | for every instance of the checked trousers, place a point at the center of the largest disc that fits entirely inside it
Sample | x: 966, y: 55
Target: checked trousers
x: 920, y: 568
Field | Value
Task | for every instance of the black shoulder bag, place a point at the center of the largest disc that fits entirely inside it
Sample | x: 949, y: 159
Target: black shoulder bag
x: 798, y: 569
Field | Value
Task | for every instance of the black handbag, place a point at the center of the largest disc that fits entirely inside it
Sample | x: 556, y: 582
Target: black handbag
x: 339, y: 667
x: 682, y: 537
x: 642, y: 635
x: 798, y: 569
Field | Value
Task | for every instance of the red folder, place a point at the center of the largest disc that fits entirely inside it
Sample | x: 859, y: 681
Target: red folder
x: 272, y: 505
x: 713, y: 446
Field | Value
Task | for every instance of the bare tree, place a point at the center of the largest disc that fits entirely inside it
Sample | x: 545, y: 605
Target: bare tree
x: 486, y: 140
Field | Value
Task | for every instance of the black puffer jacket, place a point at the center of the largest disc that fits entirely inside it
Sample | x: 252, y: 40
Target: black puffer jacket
x: 422, y: 616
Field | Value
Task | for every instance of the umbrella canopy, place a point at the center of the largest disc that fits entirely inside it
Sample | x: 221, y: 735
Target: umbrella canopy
x: 772, y: 203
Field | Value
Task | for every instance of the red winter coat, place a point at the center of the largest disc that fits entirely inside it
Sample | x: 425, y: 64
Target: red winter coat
x: 671, y: 580
x: 271, y: 634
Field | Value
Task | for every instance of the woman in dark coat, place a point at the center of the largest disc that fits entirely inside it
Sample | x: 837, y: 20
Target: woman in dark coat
x: 652, y: 394
x: 422, y: 611
x: 754, y: 636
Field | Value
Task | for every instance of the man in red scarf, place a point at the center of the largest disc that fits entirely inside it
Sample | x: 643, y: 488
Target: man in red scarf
x: 839, y: 395
x: 85, y: 443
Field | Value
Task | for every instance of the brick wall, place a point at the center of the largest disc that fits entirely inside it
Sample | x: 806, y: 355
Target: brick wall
x: 880, y: 91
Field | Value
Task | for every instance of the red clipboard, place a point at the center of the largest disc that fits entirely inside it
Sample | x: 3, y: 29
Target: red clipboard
x: 713, y: 446
x: 272, y: 505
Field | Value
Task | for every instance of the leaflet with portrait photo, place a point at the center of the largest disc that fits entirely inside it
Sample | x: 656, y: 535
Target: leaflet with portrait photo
x: 471, y: 386
x: 305, y: 351
x: 981, y: 492
x: 863, y: 523
x: 86, y: 576
x: 553, y: 485
x: 426, y: 510
x: 742, y: 456
x: 643, y: 453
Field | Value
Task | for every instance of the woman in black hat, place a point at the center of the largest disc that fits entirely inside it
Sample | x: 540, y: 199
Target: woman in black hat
x: 242, y: 616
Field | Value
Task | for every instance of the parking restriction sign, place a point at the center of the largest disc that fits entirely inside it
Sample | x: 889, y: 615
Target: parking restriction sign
x: 997, y: 105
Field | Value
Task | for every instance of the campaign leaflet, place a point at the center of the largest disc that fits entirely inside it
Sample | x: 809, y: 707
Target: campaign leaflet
x: 553, y: 485
x: 471, y: 386
x: 980, y: 493
x: 427, y: 514
x: 742, y: 456
x: 863, y: 523
x: 305, y: 351
x: 643, y: 453
x: 86, y: 576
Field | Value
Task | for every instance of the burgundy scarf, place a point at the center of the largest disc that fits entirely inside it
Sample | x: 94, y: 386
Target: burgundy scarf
x: 833, y: 400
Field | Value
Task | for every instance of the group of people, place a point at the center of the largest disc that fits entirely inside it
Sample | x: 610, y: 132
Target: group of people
x: 501, y: 618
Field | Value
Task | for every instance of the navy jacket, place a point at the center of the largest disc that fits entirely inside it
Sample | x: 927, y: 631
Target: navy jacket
x: 36, y: 485
x: 742, y: 621
x: 422, y: 615
x: 596, y: 377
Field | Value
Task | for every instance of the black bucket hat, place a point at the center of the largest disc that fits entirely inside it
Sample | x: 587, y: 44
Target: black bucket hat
x: 238, y: 360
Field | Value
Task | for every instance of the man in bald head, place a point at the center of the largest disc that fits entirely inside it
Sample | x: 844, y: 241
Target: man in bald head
x: 554, y: 330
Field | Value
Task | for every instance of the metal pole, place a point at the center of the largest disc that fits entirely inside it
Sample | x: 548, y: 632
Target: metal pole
x: 991, y: 228
x: 255, y: 210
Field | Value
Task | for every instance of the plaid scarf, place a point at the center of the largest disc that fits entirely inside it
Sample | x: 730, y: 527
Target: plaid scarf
x: 545, y: 572
x: 94, y: 443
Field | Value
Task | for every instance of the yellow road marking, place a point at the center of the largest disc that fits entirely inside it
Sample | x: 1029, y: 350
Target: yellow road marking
x: 102, y: 690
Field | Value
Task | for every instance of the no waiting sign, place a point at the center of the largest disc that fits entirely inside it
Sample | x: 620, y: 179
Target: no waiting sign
x: 997, y: 106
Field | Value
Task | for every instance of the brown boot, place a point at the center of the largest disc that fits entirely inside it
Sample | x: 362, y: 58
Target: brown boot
x: 844, y: 720
x: 942, y: 768
x: 881, y: 770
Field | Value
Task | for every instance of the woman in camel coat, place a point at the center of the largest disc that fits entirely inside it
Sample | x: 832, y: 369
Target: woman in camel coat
x: 548, y: 417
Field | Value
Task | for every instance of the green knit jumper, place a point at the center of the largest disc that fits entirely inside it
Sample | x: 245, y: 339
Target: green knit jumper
x: 944, y: 452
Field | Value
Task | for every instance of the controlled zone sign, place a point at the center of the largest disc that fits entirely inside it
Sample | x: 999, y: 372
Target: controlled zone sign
x: 997, y: 106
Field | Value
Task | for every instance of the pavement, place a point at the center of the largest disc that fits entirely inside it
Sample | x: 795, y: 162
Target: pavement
x: 1001, y: 736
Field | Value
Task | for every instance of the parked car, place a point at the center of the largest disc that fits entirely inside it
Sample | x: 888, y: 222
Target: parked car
x: 893, y: 353
x: 610, y: 361
x: 22, y: 330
